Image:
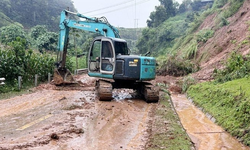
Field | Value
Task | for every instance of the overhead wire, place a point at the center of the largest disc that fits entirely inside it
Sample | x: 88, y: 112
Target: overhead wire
x: 122, y: 3
x: 140, y: 2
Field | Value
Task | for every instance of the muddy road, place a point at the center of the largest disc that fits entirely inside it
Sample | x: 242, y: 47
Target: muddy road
x: 64, y: 118
x: 73, y: 119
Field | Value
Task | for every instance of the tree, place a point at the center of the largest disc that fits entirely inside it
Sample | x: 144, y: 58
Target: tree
x: 47, y: 41
x: 196, y: 5
x: 10, y: 33
x: 157, y: 17
x: 166, y: 10
x: 169, y: 6
x: 37, y: 31
x: 185, y: 6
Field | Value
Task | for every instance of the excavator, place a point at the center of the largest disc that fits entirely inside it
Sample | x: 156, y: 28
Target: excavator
x: 109, y: 59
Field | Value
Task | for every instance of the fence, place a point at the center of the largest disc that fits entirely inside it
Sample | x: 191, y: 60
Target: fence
x: 2, y: 81
x: 36, y: 80
x: 78, y: 71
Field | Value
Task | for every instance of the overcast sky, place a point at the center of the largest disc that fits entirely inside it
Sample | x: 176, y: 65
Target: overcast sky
x: 123, y: 13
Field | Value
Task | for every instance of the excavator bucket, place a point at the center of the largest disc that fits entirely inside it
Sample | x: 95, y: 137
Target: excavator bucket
x: 63, y: 76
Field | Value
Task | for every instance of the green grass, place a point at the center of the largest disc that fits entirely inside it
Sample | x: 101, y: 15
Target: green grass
x: 14, y: 93
x: 167, y: 132
x: 228, y: 102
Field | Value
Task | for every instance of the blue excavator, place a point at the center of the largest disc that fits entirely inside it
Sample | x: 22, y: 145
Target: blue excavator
x: 109, y: 59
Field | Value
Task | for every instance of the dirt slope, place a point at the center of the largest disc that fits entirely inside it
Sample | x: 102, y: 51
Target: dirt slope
x: 233, y: 37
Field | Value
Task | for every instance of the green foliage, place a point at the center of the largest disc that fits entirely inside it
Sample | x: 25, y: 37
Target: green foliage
x: 228, y: 102
x: 17, y: 61
x: 190, y: 43
x: 187, y: 82
x: 176, y: 66
x: 31, y: 13
x: 163, y: 12
x: 79, y: 64
x: 185, y: 6
x: 43, y: 40
x: 221, y: 21
x: 157, y: 17
x: 219, y: 3
x: 5, y: 21
x: 237, y: 66
x: 131, y: 36
x: 194, y: 25
x: 244, y: 42
x: 10, y: 33
x: 233, y: 8
x: 37, y: 31
x: 157, y: 40
x: 204, y: 35
x: 169, y: 6
x: 167, y: 133
x: 180, y: 37
x: 196, y: 5
x: 47, y: 41
x: 191, y: 49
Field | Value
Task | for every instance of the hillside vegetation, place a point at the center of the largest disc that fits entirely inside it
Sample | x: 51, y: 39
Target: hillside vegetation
x: 191, y: 35
x: 210, y: 43
x: 213, y: 44
x: 30, y: 13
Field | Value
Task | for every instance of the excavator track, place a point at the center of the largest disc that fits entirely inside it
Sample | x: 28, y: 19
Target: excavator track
x: 104, y: 90
x: 150, y: 93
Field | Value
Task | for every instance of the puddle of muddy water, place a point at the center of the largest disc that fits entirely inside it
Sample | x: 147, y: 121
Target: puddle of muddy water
x: 122, y: 94
x: 204, y: 133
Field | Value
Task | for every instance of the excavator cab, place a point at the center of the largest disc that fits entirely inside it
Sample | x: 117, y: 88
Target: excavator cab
x: 102, y: 58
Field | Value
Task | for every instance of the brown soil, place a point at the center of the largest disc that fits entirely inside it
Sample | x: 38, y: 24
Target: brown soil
x: 71, y: 117
x: 229, y: 38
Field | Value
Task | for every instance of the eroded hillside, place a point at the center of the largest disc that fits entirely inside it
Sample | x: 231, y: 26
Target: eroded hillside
x: 233, y: 37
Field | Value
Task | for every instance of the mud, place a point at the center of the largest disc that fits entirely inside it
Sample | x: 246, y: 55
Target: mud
x: 71, y: 117
x: 205, y: 134
x: 65, y: 118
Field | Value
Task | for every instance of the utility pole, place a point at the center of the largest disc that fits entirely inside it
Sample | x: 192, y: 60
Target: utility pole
x: 136, y: 22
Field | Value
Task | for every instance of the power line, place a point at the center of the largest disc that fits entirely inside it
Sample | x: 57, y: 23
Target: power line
x: 141, y: 2
x: 109, y: 6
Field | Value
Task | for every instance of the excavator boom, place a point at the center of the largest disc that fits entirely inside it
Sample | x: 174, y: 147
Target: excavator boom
x: 97, y: 25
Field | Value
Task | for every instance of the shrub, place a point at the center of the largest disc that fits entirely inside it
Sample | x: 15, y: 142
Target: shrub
x: 204, y: 35
x: 191, y: 49
x: 17, y: 61
x: 177, y: 67
x: 237, y: 66
x: 234, y: 7
x: 187, y: 82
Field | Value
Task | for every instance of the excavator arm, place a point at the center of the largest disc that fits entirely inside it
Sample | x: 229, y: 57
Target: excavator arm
x: 95, y: 25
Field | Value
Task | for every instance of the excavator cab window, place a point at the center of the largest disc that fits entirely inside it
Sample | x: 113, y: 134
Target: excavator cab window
x: 107, y: 55
x: 121, y: 48
x: 95, y: 56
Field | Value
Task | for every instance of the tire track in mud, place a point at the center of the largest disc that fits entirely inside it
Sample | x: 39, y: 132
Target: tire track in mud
x: 119, y: 125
